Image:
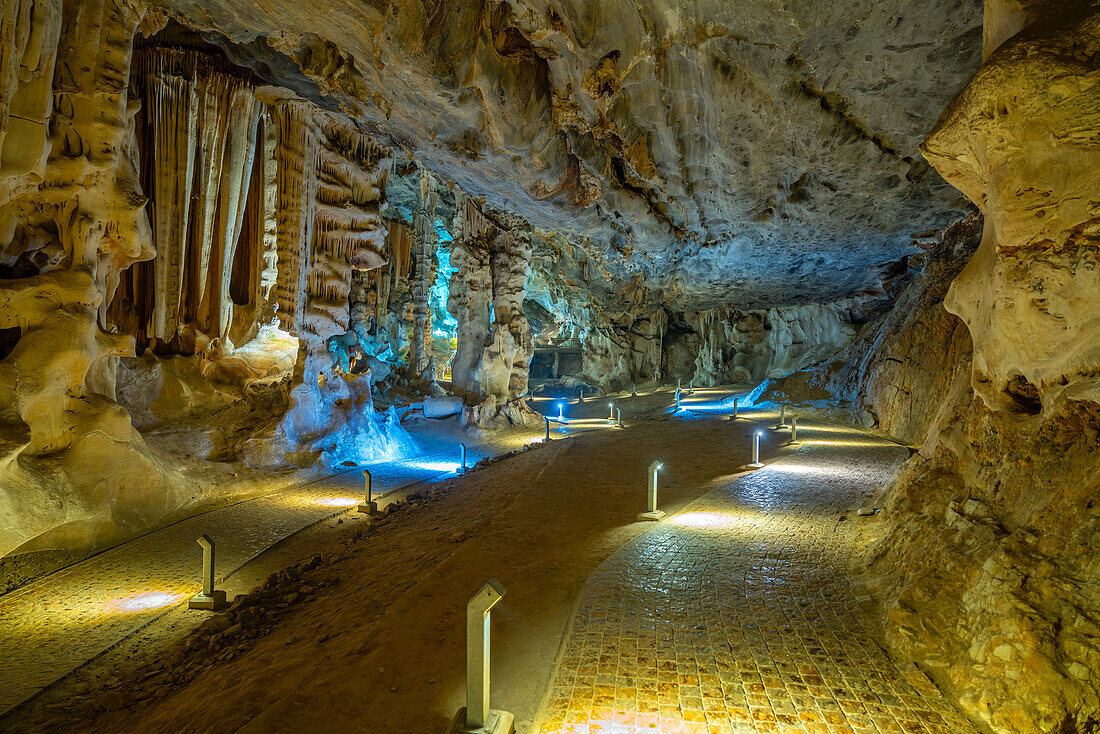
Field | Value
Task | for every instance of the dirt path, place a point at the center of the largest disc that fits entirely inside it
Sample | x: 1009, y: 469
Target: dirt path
x: 378, y: 637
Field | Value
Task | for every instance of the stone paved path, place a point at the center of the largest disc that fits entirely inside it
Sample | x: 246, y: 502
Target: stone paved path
x: 737, y: 615
x: 51, y: 626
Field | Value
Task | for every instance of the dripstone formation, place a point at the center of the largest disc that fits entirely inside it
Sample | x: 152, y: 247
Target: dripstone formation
x: 241, y: 237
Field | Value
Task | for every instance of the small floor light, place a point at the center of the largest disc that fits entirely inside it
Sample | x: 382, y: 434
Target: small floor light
x: 561, y: 412
x: 782, y: 417
x: 652, y: 513
x: 633, y: 390
x: 463, y: 456
x: 368, y: 505
x: 691, y: 386
x: 619, y: 415
x: 677, y: 399
x: 581, y: 400
x: 210, y: 599
x: 611, y: 411
x: 678, y: 382
x: 756, y: 450
x: 794, y: 431
x: 734, y: 416
x: 476, y: 716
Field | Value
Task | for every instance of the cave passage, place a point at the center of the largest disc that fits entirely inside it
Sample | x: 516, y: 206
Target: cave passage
x: 541, y: 367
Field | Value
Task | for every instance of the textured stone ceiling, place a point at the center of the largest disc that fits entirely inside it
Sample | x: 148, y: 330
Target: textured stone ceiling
x: 758, y: 153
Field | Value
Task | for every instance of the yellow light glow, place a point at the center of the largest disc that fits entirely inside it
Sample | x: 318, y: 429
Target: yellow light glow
x: 847, y: 442
x: 143, y: 602
x: 704, y: 520
x: 798, y: 469
x: 337, y: 501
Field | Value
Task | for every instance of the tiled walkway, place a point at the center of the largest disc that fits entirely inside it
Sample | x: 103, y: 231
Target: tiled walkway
x: 51, y: 626
x: 737, y: 615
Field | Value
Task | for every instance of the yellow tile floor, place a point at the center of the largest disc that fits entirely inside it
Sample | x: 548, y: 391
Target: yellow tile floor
x: 738, y: 614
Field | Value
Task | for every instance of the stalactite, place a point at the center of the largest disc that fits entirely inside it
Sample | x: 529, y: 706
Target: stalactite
x: 270, y: 252
x: 297, y: 156
x: 239, y: 151
x: 171, y: 114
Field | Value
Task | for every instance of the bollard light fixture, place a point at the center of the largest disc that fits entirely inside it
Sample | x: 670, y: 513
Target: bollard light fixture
x: 794, y: 431
x: 561, y: 411
x: 677, y: 399
x: 756, y: 464
x: 463, y: 447
x: 782, y: 417
x: 633, y: 390
x: 611, y: 411
x: 619, y: 414
x: 210, y: 599
x: 368, y: 505
x: 547, y: 428
x: 652, y: 513
x: 476, y: 717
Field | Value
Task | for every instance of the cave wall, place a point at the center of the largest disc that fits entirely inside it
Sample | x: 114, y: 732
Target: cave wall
x: 72, y: 218
x: 987, y: 560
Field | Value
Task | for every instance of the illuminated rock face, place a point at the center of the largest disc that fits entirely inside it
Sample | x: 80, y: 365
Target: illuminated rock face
x: 72, y: 217
x: 692, y: 144
x: 1021, y: 143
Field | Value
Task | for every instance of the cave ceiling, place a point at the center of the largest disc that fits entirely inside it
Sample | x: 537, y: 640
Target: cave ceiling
x: 757, y: 153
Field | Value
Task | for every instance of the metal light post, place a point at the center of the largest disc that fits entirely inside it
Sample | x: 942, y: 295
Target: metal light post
x: 782, y: 417
x: 652, y: 513
x: 547, y: 428
x: 756, y: 450
x: 561, y: 411
x: 368, y: 504
x: 210, y: 599
x: 611, y: 411
x: 794, y: 431
x: 633, y: 390
x: 677, y: 399
x: 463, y: 456
x: 619, y: 414
x: 477, y: 716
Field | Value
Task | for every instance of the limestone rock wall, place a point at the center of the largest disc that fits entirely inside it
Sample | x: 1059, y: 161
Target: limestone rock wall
x: 989, y: 567
x: 75, y: 474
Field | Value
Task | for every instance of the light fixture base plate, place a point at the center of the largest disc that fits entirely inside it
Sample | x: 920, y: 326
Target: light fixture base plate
x: 755, y: 465
x: 215, y: 602
x: 498, y: 722
x: 654, y: 516
x: 371, y: 508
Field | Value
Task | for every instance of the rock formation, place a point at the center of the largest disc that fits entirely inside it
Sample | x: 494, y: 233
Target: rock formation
x: 237, y: 218
x: 492, y: 260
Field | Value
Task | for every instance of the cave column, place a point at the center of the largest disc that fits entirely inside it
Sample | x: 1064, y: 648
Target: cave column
x: 511, y: 346
x: 468, y: 301
x: 426, y: 241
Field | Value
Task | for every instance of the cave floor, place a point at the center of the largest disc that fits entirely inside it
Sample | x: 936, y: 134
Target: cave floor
x: 738, y: 614
x: 53, y: 625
